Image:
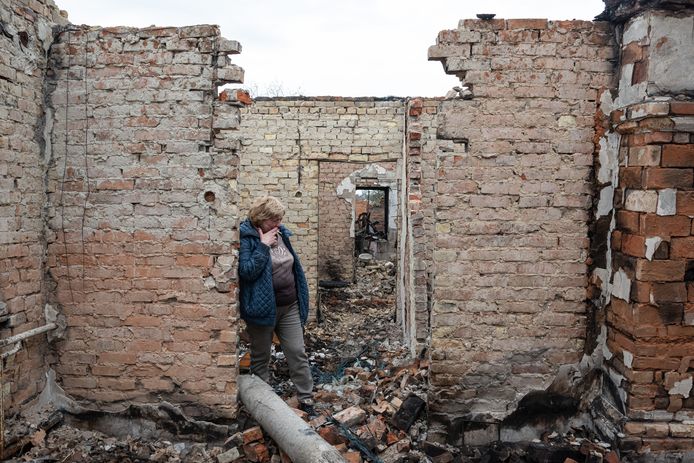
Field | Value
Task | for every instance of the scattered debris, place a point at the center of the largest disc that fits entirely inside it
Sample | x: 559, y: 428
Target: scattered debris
x: 369, y: 394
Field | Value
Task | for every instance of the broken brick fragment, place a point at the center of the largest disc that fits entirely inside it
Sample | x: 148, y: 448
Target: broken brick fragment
x: 331, y: 435
x: 391, y: 438
x: 351, y: 416
x: 244, y: 97
x: 252, y: 434
x: 256, y: 452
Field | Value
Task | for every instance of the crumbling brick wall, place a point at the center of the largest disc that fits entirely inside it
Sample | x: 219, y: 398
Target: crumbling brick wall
x: 286, y: 139
x: 336, y: 212
x: 142, y: 215
x: 646, y: 180
x: 512, y: 211
x: 24, y: 45
x: 417, y: 236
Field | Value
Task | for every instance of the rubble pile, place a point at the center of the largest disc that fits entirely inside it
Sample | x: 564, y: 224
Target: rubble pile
x: 70, y: 444
x: 369, y: 401
x: 369, y: 391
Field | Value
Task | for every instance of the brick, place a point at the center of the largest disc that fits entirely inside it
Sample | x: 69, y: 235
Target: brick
x: 649, y: 109
x: 331, y: 435
x: 660, y: 270
x: 681, y: 430
x: 669, y: 292
x: 682, y: 247
x: 682, y: 108
x: 252, y: 435
x: 668, y: 444
x: 678, y: 155
x: 628, y: 221
x: 656, y: 429
x: 685, y: 203
x: 634, y: 245
x: 641, y: 291
x: 665, y: 226
x: 645, y: 155
x: 256, y: 452
x: 526, y: 24
x: 641, y: 201
x: 631, y: 177
x: 350, y: 416
x: 668, y: 178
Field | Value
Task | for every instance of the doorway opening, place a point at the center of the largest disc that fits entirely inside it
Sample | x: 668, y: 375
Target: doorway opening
x: 371, y: 223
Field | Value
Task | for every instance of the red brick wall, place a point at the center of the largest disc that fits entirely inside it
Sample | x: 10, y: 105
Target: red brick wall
x: 142, y: 216
x: 23, y: 159
x: 650, y: 316
x: 512, y: 207
x: 652, y: 330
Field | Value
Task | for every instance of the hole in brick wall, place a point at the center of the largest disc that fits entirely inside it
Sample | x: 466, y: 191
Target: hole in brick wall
x: 298, y: 194
x: 201, y: 172
x: 463, y: 142
x: 209, y: 196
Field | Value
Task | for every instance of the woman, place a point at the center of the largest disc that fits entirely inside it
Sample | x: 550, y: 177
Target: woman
x: 274, y: 295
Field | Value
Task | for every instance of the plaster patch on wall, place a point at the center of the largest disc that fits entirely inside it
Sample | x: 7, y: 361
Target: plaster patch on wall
x: 670, y: 59
x: 641, y: 201
x: 348, y: 187
x: 629, y: 93
x: 602, y: 343
x: 345, y: 190
x: 621, y: 287
x: 667, y: 202
x: 628, y: 358
x: 566, y: 121
x: 652, y: 244
x: 605, y: 204
x: 636, y: 30
x: 604, y: 276
x: 609, y: 159
x: 682, y: 388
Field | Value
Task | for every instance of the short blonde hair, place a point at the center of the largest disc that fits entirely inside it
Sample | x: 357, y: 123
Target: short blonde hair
x: 264, y: 208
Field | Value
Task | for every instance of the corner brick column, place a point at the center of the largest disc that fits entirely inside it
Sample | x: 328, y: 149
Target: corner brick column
x: 24, y: 47
x: 650, y: 317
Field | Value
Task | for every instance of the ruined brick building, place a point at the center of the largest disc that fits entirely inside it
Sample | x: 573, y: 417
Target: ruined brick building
x: 542, y: 227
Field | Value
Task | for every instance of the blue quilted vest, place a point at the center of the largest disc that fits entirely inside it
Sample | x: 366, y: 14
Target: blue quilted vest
x: 257, y: 296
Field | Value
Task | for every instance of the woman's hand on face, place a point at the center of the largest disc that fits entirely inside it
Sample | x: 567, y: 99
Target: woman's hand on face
x: 268, y: 238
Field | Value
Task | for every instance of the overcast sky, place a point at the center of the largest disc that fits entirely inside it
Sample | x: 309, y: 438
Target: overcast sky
x: 323, y: 47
